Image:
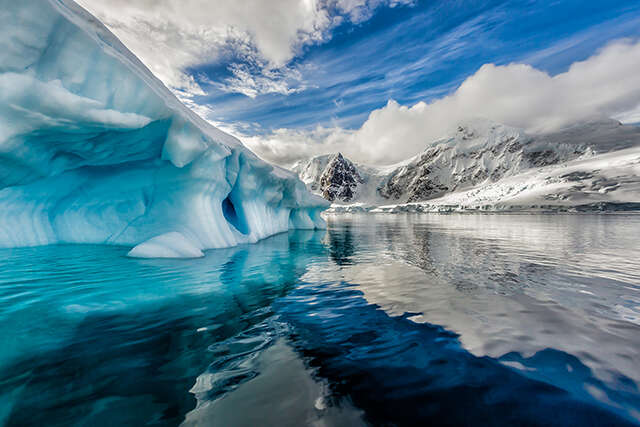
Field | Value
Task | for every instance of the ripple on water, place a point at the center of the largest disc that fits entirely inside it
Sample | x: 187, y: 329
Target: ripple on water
x: 490, y: 319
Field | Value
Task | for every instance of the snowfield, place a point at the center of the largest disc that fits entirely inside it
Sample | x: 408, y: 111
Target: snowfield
x: 95, y: 149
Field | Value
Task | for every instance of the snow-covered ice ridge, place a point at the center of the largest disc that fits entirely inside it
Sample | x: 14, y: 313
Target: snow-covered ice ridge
x: 489, y: 166
x: 95, y: 149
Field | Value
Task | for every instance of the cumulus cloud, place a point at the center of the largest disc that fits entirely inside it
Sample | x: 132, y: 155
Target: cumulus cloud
x: 604, y: 85
x: 286, y: 146
x: 170, y: 35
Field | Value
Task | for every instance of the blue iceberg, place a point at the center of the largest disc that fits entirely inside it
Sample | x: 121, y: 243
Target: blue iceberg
x: 95, y: 149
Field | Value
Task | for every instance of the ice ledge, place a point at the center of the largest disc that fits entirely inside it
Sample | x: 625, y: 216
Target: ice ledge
x: 168, y: 245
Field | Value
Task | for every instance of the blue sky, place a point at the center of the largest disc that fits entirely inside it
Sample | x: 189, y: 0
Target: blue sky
x: 380, y: 80
x: 417, y: 53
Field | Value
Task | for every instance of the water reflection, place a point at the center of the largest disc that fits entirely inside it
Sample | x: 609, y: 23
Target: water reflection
x: 511, y: 285
x: 96, y: 338
x: 430, y: 319
x: 402, y: 373
x: 342, y: 244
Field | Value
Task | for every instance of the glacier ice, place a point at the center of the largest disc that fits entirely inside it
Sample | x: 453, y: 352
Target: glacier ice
x: 169, y: 245
x: 95, y: 149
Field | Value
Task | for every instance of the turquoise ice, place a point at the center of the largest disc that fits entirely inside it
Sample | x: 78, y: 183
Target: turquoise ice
x: 95, y: 149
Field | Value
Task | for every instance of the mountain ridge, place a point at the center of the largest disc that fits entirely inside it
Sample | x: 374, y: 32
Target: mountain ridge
x: 478, y: 154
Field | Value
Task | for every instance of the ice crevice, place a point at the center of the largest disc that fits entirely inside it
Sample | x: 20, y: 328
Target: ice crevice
x: 95, y: 149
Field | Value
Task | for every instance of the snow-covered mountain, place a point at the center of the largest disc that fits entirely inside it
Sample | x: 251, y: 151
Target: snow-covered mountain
x: 479, y: 154
x: 332, y: 176
x: 95, y: 149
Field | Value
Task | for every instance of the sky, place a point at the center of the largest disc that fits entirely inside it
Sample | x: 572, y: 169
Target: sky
x: 380, y: 80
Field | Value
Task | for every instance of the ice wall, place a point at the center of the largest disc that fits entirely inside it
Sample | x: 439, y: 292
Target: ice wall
x: 95, y: 149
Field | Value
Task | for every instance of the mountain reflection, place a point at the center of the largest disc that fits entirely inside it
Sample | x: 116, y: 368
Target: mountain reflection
x: 387, y: 320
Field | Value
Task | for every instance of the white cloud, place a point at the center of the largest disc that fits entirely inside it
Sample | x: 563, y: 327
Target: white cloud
x: 631, y: 116
x: 286, y: 146
x: 282, y: 80
x: 361, y: 10
x: 606, y: 84
x: 170, y: 35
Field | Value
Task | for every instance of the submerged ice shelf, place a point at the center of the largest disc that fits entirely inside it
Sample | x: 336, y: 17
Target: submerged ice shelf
x: 95, y: 149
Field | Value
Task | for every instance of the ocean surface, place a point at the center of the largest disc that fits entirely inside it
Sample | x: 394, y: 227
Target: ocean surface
x: 381, y: 319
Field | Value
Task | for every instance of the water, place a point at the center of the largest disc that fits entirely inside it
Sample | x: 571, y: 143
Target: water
x: 392, y: 320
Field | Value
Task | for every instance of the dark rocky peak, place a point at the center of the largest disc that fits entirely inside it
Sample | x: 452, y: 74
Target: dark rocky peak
x: 339, y: 179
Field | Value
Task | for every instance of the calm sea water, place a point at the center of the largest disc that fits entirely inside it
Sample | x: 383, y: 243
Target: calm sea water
x: 392, y: 320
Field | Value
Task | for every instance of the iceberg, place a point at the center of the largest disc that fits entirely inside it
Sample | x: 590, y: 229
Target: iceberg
x: 95, y: 149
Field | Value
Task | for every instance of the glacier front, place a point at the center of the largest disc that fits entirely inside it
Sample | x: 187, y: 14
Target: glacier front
x: 95, y: 149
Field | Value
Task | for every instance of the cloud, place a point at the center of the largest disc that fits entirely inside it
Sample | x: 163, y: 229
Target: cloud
x: 630, y: 117
x: 286, y: 146
x: 284, y: 80
x: 604, y: 85
x: 361, y: 10
x: 171, y: 35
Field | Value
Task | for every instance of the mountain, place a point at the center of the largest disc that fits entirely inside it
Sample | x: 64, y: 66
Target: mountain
x: 337, y: 177
x: 95, y: 149
x: 479, y: 154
